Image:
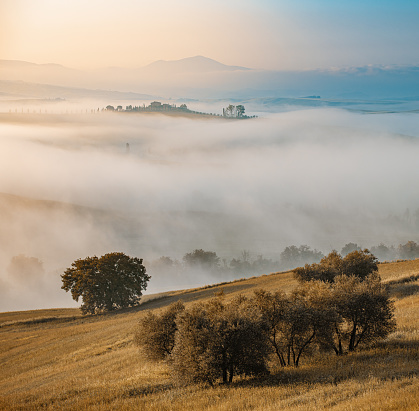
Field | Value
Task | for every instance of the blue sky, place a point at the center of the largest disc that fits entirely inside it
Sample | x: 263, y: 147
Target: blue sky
x: 280, y: 34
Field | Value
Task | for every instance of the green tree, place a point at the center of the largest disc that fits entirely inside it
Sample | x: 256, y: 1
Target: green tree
x: 240, y: 110
x: 156, y: 333
x: 113, y: 281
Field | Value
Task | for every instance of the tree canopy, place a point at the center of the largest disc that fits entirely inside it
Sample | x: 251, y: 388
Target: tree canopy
x: 217, y: 341
x: 363, y: 313
x: 357, y: 263
x: 112, y: 281
x: 156, y: 333
x: 202, y: 259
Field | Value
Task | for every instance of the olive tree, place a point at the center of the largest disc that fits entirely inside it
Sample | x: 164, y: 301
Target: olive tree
x: 293, y: 323
x: 156, y: 332
x: 216, y: 341
x: 364, y: 311
x: 359, y: 263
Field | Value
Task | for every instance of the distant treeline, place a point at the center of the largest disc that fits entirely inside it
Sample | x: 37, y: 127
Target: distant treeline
x: 290, y: 258
x: 156, y: 106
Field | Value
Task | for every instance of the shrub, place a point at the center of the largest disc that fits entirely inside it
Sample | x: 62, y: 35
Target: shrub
x: 156, y: 333
x: 357, y: 263
x: 216, y: 341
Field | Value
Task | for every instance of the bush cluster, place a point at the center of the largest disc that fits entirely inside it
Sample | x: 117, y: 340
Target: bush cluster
x: 218, y: 340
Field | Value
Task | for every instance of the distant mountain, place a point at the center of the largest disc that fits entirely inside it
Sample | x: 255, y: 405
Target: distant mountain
x: 201, y: 77
x: 18, y: 90
x: 37, y: 73
x: 197, y: 64
x: 21, y: 64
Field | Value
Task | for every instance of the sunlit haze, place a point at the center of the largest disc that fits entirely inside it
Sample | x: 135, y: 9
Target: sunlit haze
x: 258, y: 34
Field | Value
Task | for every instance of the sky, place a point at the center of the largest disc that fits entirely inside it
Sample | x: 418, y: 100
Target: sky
x: 263, y: 34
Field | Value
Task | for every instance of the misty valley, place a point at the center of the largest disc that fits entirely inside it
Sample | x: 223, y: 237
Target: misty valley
x: 321, y: 177
x: 209, y: 205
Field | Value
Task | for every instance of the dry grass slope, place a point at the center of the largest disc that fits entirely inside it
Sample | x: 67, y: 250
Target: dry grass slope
x: 58, y: 359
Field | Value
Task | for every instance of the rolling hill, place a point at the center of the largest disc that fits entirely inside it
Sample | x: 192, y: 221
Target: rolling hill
x: 58, y: 359
x: 202, y: 77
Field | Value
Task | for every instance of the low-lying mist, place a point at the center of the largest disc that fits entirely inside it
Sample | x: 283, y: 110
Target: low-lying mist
x: 152, y: 185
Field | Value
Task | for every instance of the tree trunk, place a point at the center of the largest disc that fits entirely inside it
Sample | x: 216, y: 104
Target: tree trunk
x: 224, y: 375
x: 351, y: 346
x: 303, y: 347
x: 231, y: 373
x: 224, y: 368
x: 339, y: 350
x: 278, y: 353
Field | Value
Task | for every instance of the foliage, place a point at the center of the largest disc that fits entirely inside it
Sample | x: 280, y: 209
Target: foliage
x: 409, y: 251
x: 217, y: 341
x: 259, y: 265
x: 112, y: 281
x: 240, y: 110
x: 357, y: 263
x: 384, y: 253
x: 293, y: 256
x: 349, y: 248
x: 360, y: 264
x: 273, y: 307
x: 364, y: 312
x: 156, y: 333
x: 292, y: 323
x: 202, y: 259
x: 310, y: 318
x: 234, y: 111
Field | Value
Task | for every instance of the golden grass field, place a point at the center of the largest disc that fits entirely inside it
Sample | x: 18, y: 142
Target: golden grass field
x: 59, y: 359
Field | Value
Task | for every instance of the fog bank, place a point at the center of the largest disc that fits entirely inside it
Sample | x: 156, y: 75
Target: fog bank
x: 72, y: 188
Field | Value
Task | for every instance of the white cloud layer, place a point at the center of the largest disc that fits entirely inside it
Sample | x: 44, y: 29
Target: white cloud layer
x: 320, y: 177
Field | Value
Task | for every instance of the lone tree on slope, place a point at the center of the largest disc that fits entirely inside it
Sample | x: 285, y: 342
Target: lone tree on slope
x: 112, y: 281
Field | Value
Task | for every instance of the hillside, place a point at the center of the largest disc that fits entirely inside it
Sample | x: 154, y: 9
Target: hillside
x: 58, y: 359
x: 202, y: 77
x: 20, y: 92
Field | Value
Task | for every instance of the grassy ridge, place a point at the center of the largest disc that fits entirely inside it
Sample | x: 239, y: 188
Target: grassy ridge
x: 58, y: 359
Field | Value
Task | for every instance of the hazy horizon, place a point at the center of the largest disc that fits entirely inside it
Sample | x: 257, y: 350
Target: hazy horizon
x: 262, y: 35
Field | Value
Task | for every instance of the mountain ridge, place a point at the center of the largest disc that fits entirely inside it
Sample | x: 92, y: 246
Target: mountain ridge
x: 202, y: 77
